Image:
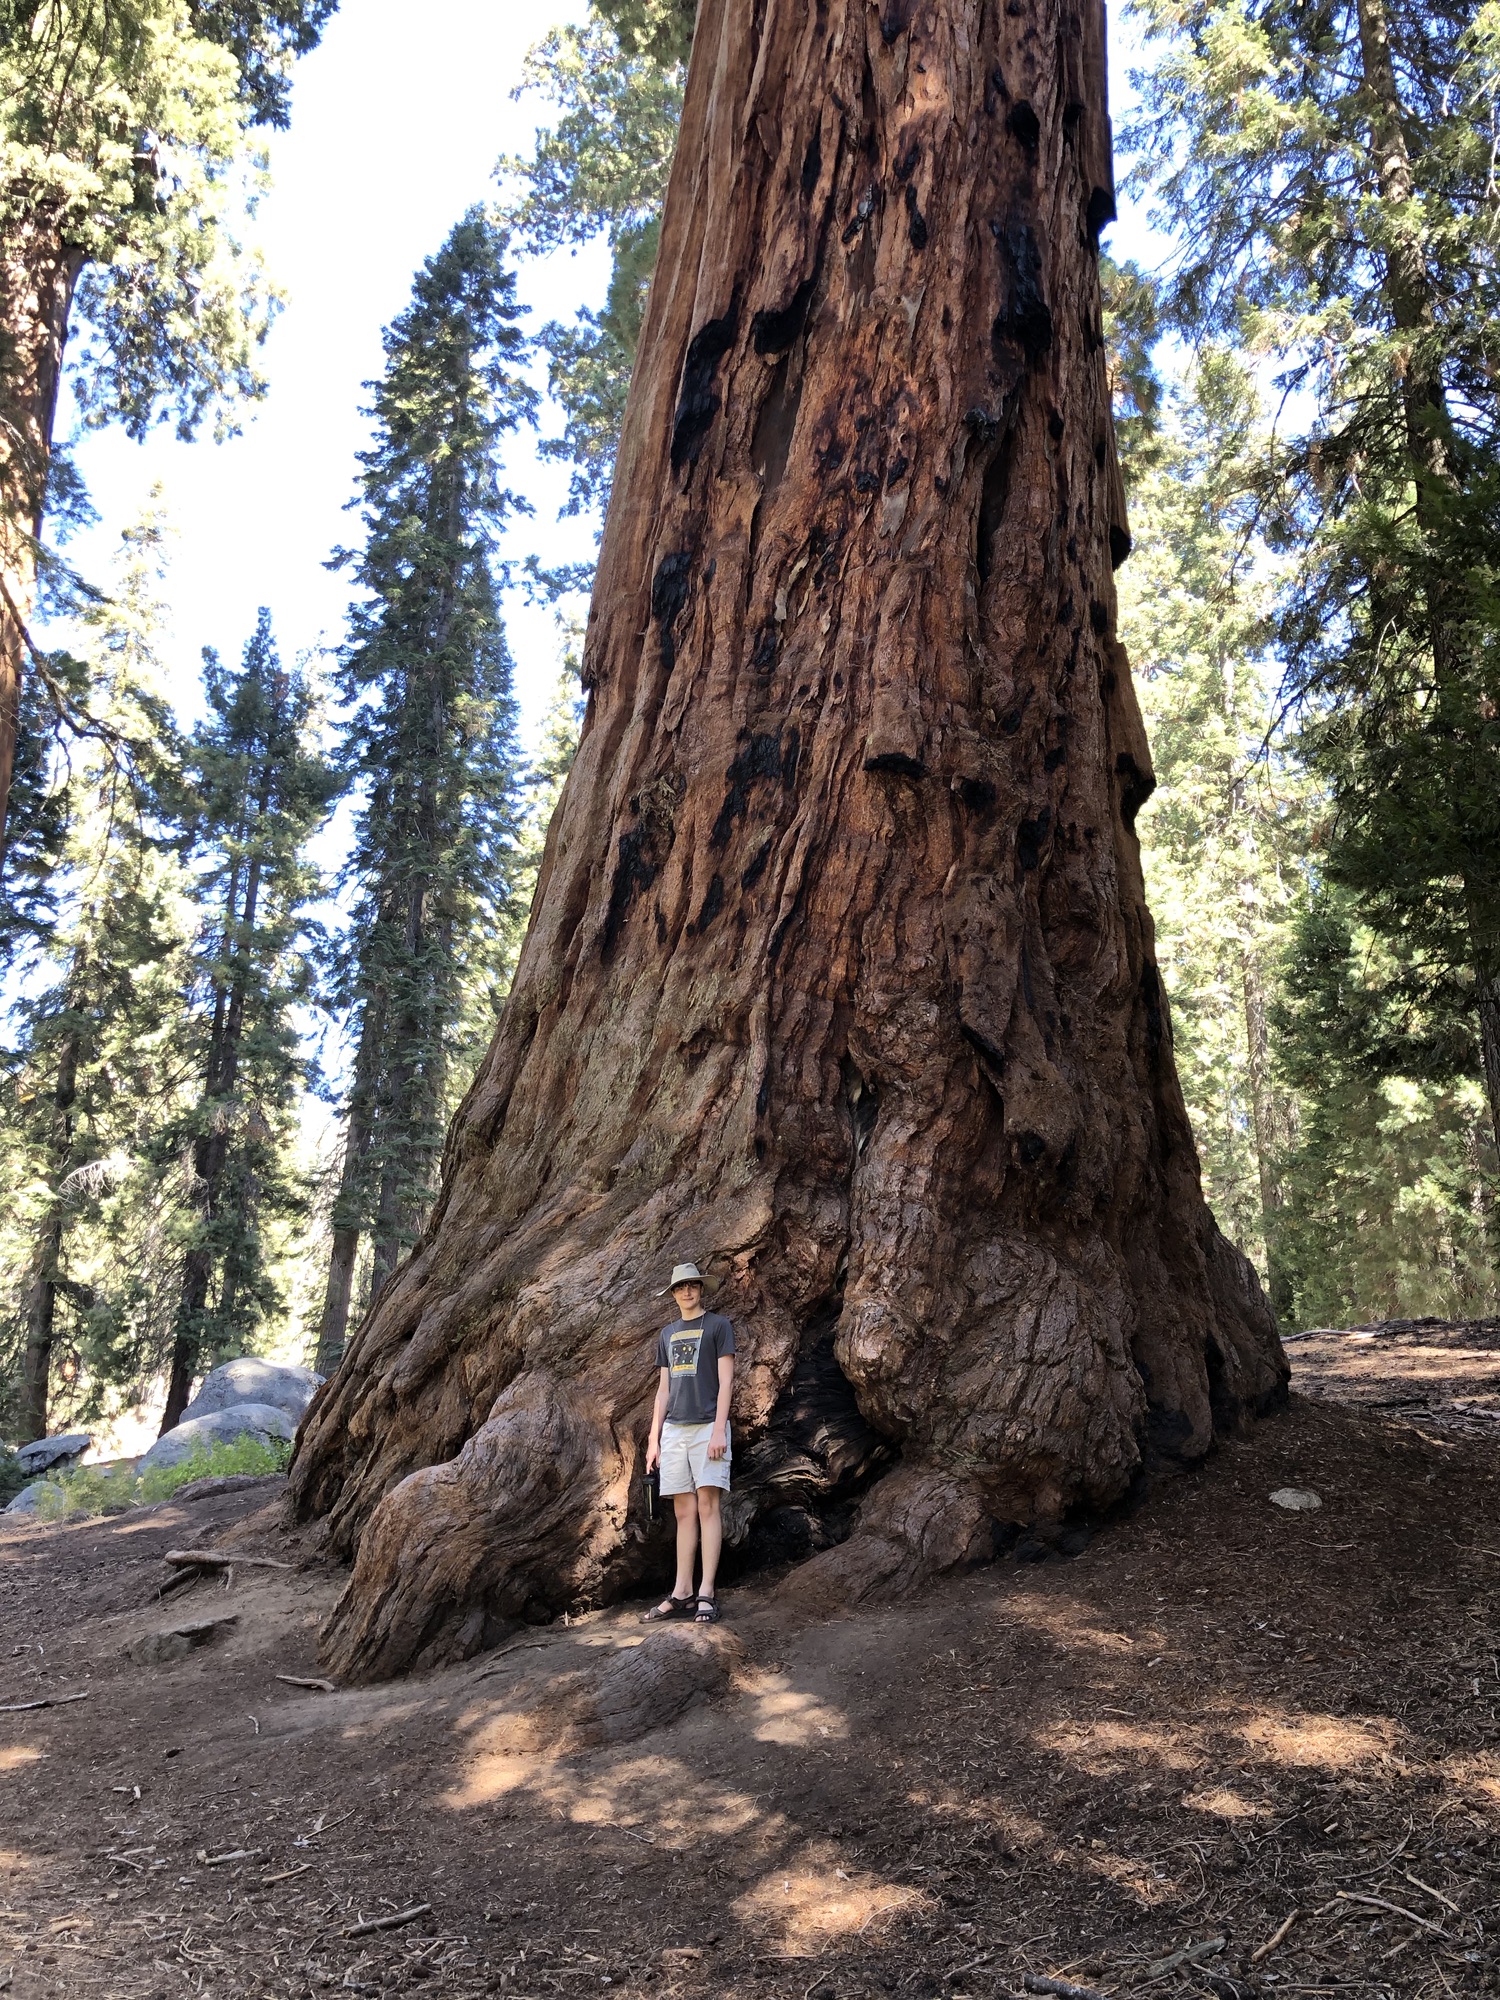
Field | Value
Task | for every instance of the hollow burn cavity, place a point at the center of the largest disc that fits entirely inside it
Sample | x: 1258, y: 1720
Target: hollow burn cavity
x: 797, y: 1486
x: 862, y: 1098
x: 1025, y: 320
x: 994, y: 494
x: 774, y: 427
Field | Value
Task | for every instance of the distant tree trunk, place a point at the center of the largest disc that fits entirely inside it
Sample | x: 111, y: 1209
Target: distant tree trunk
x: 840, y: 975
x: 38, y: 273
x: 348, y: 1207
x: 41, y: 1311
x: 211, y: 1148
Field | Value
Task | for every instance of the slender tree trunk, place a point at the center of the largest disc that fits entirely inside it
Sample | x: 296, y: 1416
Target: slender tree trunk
x: 211, y: 1149
x: 349, y: 1204
x: 38, y: 272
x: 840, y: 975
x: 41, y: 1311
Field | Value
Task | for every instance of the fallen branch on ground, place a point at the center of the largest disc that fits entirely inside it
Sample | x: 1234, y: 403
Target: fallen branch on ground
x: 309, y: 1681
x: 220, y: 1559
x: 388, y: 1923
x: 1034, y: 1982
x: 51, y: 1701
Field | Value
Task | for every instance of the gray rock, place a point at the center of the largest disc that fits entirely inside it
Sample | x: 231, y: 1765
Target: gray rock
x: 153, y: 1649
x: 250, y: 1380
x: 30, y: 1498
x: 262, y: 1420
x: 1296, y: 1499
x: 53, y: 1454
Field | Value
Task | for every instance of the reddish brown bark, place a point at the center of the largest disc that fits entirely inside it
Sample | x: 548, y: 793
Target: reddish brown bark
x: 840, y: 977
x: 38, y: 273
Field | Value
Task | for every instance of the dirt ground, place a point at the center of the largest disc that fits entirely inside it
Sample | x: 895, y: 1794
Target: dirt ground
x: 1228, y: 1749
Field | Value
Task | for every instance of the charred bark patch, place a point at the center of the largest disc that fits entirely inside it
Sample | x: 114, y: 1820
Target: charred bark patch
x: 698, y: 399
x: 774, y: 330
x: 1101, y: 208
x: 916, y: 222
x: 1024, y: 126
x: 1025, y: 320
x: 895, y: 19
x: 713, y: 903
x: 1031, y: 840
x: 1120, y: 544
x: 812, y: 166
x: 669, y: 596
x: 862, y: 1097
x: 896, y: 763
x: 762, y: 758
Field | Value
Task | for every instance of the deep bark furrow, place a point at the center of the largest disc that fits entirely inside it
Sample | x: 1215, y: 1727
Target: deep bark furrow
x: 874, y: 794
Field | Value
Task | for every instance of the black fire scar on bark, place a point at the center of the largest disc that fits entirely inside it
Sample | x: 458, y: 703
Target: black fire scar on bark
x: 773, y: 332
x: 669, y: 594
x: 1025, y: 319
x: 698, y: 403
x: 1137, y: 788
x: 761, y: 757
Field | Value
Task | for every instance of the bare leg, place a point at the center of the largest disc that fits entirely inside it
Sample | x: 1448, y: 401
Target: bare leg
x: 710, y: 1524
x: 687, y: 1542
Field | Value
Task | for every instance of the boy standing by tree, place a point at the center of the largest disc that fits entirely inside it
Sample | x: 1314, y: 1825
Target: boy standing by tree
x: 690, y: 1439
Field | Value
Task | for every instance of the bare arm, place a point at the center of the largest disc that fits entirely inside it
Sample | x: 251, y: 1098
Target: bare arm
x: 658, y: 1418
x: 718, y: 1443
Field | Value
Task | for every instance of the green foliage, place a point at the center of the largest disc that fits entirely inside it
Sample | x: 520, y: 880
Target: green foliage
x: 247, y: 1456
x: 601, y: 170
x: 100, y: 1047
x: 87, y: 1491
x: 12, y: 1478
x: 257, y: 790
x: 1329, y: 174
x: 1221, y: 836
x: 1389, y: 1187
x: 430, y: 742
x: 126, y: 135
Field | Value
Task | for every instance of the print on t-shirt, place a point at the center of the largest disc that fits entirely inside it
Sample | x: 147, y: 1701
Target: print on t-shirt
x: 684, y: 1351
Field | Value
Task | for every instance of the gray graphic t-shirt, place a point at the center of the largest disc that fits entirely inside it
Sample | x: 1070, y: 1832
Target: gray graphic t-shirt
x: 689, y: 1350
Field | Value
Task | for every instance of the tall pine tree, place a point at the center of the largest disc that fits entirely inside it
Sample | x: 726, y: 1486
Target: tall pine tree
x: 258, y: 793
x: 1329, y: 172
x: 430, y: 742
x: 100, y: 1042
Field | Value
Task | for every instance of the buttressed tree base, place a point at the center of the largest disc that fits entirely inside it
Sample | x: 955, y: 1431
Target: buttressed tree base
x: 840, y: 977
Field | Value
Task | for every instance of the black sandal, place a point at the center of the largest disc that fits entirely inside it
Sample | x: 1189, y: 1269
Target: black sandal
x: 671, y: 1607
x: 707, y: 1612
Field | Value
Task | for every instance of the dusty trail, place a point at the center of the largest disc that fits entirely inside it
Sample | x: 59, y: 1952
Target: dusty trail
x: 1217, y: 1715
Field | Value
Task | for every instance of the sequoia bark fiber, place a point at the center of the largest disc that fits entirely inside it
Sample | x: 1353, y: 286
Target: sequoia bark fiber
x: 840, y: 977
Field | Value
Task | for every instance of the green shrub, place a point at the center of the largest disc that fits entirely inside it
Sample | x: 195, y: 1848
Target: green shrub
x: 254, y: 1455
x: 91, y: 1490
x: 12, y: 1478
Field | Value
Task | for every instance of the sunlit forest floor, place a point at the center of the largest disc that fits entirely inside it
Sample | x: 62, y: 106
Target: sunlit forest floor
x: 1223, y: 1727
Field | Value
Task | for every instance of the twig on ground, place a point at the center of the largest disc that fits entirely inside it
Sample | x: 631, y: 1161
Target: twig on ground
x: 1265, y: 1950
x: 1428, y: 1890
x: 388, y: 1923
x: 235, y: 1854
x: 286, y: 1874
x: 309, y: 1681
x: 50, y: 1701
x: 1380, y: 1903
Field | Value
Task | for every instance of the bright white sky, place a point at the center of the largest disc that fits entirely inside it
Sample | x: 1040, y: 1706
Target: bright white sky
x: 393, y: 136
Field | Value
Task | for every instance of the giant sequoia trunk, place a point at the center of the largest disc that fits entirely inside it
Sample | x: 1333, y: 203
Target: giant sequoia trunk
x: 840, y: 977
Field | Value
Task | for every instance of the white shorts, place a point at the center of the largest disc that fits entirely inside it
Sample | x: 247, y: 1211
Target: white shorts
x: 685, y: 1463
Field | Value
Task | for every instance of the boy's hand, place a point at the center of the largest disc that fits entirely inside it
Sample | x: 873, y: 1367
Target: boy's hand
x: 718, y: 1444
x: 653, y: 1455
